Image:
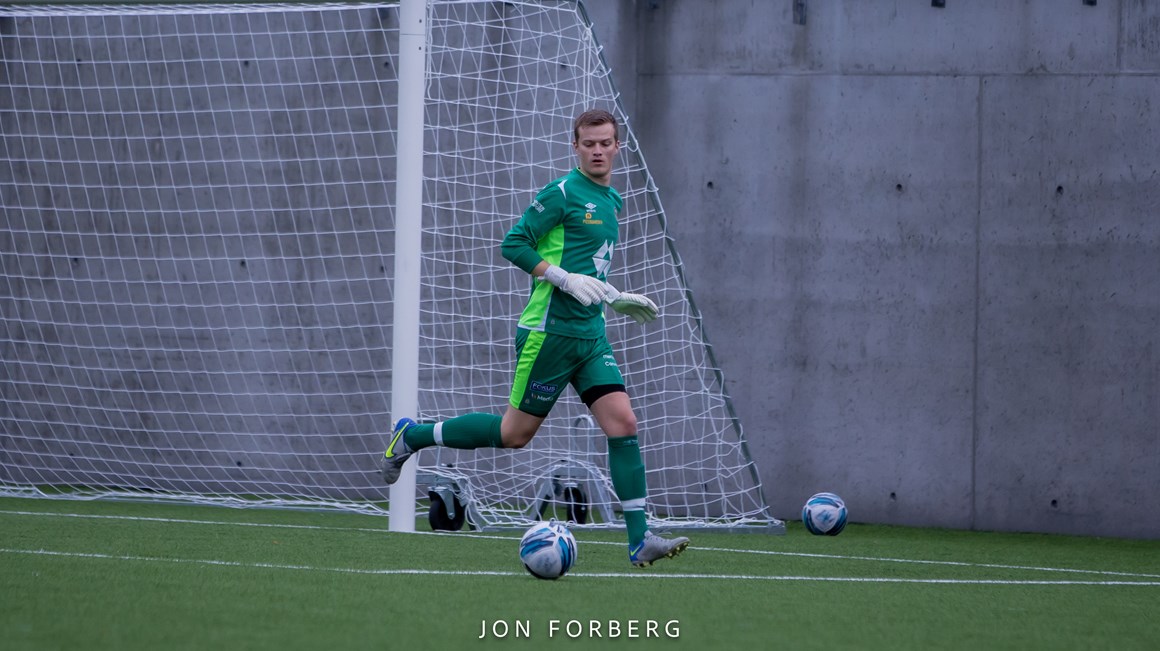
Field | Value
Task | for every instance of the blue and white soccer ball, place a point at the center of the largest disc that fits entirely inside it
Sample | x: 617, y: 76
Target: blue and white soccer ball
x: 548, y: 550
x: 824, y: 514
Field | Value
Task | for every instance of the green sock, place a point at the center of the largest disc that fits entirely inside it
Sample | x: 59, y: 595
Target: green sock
x: 627, y: 470
x: 466, y: 432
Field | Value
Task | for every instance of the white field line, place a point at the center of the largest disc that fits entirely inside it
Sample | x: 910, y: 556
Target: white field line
x: 998, y: 566
x: 590, y: 542
x: 578, y: 575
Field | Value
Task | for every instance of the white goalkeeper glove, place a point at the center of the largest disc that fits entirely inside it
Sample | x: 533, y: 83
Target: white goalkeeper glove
x: 585, y: 289
x: 639, y: 307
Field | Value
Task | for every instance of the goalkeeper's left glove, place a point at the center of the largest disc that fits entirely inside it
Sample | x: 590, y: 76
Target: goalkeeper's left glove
x: 639, y: 307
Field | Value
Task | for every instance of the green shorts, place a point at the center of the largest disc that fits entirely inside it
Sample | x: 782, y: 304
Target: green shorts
x: 546, y: 363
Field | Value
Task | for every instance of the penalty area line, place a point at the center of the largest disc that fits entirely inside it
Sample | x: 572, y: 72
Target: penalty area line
x: 577, y: 575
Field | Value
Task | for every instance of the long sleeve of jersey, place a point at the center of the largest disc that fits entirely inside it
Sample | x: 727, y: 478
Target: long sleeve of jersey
x: 521, y: 246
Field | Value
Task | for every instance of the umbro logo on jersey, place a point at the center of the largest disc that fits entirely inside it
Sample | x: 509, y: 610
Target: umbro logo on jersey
x: 588, y: 218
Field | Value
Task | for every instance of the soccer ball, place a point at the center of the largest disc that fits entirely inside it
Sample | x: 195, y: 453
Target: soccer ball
x: 548, y: 550
x: 824, y: 514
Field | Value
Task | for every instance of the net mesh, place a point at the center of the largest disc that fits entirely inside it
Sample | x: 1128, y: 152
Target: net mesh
x: 197, y: 242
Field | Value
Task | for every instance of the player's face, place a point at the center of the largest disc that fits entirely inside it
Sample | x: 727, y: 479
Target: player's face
x: 597, y: 148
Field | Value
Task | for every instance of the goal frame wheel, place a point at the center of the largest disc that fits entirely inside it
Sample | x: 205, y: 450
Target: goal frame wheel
x: 576, y: 503
x: 443, y: 518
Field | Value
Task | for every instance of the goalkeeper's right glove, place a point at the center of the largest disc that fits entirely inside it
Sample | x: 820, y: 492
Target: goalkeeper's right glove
x: 585, y: 289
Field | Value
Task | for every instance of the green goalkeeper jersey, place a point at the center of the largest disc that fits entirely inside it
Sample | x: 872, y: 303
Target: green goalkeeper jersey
x: 571, y: 224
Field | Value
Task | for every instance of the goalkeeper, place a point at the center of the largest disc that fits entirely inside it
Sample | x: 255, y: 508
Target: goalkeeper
x: 565, y: 240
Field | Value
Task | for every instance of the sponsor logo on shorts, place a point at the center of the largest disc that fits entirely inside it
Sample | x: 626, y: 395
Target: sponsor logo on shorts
x: 543, y: 388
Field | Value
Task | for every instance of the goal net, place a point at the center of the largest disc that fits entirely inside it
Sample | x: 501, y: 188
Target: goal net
x: 196, y: 250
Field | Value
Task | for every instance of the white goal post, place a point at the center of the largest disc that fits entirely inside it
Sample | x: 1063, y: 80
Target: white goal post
x: 201, y: 205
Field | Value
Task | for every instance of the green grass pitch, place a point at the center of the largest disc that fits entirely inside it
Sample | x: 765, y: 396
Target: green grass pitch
x: 133, y: 575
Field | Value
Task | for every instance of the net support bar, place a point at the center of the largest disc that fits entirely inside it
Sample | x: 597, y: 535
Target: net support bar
x: 408, y: 242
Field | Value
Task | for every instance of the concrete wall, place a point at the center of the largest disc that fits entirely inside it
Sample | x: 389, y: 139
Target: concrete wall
x: 926, y: 242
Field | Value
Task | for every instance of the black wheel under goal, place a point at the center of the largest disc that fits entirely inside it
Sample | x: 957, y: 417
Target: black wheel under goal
x: 438, y: 517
